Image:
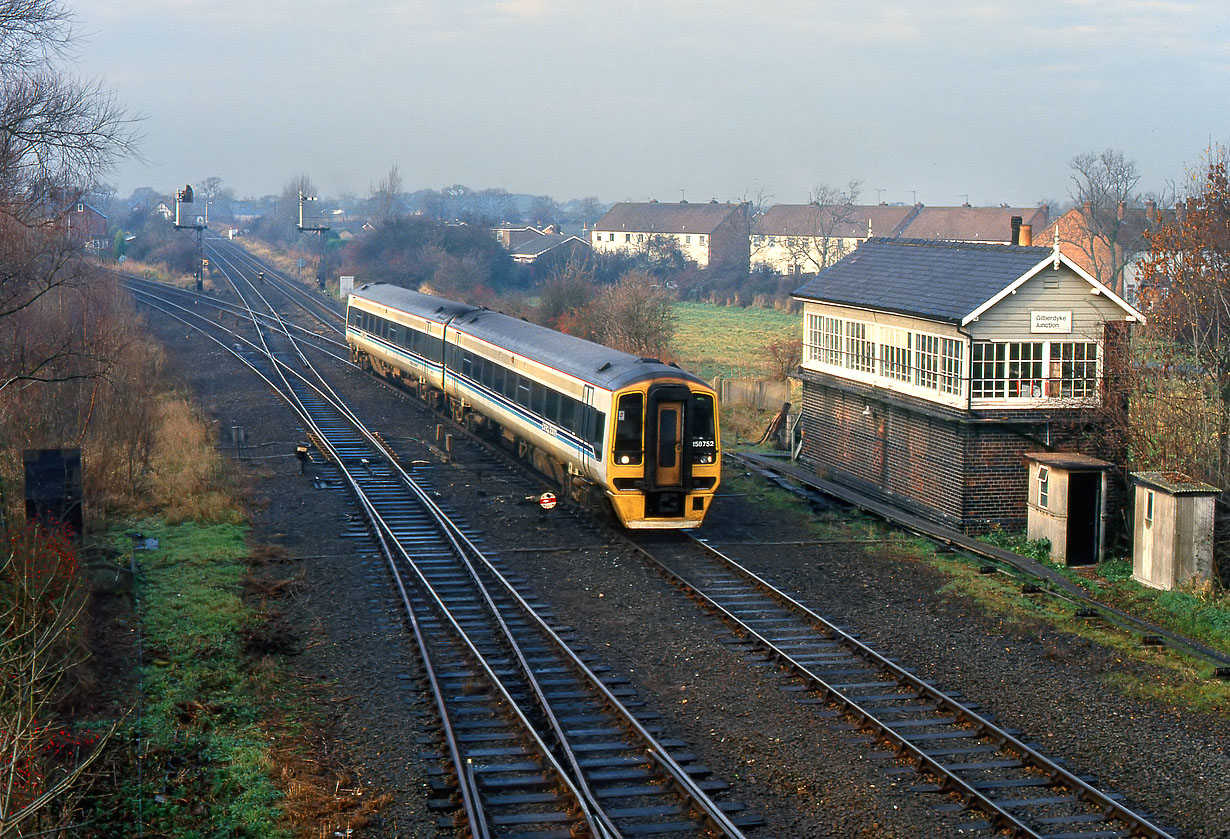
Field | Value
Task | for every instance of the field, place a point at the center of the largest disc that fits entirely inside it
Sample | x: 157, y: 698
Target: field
x: 727, y: 340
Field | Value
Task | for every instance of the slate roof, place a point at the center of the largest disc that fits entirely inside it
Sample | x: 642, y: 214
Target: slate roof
x: 972, y: 224
x: 937, y: 280
x: 654, y: 217
x: 536, y: 246
x: 801, y: 220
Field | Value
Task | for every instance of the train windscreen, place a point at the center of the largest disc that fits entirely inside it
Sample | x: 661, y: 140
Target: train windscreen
x: 703, y: 429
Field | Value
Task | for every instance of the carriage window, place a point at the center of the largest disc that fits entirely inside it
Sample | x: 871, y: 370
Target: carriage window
x: 629, y: 429
x: 568, y: 413
x: 497, y: 378
x: 355, y: 316
x: 539, y: 395
x: 467, y: 364
x: 551, y: 409
x: 523, y: 391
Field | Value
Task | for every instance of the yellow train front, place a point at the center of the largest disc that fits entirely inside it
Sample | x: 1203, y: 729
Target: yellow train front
x: 664, y: 458
x: 632, y: 432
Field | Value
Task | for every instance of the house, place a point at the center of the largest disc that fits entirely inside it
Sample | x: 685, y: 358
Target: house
x: 806, y: 238
x: 1108, y: 244
x: 711, y: 235
x: 930, y: 368
x: 511, y: 237
x: 85, y: 226
x: 976, y: 224
x: 534, y: 248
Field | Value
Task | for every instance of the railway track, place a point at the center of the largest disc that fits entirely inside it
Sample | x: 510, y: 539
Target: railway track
x: 539, y: 742
x: 1033, y: 577
x: 945, y: 741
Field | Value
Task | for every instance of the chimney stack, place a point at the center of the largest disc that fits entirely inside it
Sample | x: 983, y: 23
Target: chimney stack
x: 1151, y: 210
x: 1087, y: 208
x: 1122, y: 211
x: 1027, y: 235
x: 1016, y: 230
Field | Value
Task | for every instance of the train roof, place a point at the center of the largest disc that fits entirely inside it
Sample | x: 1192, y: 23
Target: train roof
x: 593, y: 363
x: 426, y: 306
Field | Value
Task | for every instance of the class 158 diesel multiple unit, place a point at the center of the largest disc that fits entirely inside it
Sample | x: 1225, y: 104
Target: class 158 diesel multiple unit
x: 608, y: 426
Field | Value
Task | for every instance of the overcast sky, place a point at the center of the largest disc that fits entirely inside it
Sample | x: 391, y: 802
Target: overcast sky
x: 928, y: 101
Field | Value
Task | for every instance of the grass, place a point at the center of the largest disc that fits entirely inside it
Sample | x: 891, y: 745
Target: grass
x: 727, y: 340
x: 205, y: 764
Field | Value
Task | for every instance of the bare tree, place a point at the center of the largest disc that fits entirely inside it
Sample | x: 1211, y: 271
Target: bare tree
x: 543, y: 210
x: 821, y: 234
x: 566, y: 297
x: 386, y: 197
x: 591, y: 209
x: 1104, y: 189
x: 58, y: 136
x: 635, y: 316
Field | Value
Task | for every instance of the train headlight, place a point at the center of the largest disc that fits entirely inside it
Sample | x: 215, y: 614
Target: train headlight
x: 625, y: 459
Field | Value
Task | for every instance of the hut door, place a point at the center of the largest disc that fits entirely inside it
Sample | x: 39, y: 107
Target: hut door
x: 669, y: 469
x: 1084, y: 509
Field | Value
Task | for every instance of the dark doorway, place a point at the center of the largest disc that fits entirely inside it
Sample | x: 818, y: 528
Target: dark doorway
x: 1084, y: 509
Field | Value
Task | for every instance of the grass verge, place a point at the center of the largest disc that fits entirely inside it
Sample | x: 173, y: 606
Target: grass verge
x: 198, y: 760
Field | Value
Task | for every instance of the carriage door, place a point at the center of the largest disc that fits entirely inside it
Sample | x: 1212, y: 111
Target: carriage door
x: 669, y: 468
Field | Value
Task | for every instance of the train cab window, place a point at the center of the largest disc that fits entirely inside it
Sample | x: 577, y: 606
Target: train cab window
x: 355, y: 317
x: 630, y: 429
x: 703, y: 429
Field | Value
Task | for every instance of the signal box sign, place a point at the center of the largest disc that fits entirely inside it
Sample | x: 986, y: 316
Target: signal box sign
x: 1055, y: 323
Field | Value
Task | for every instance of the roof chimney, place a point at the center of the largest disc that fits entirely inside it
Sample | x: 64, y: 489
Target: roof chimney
x: 1016, y: 230
x: 1151, y: 210
x: 1027, y: 235
x: 1122, y: 210
x: 1087, y: 208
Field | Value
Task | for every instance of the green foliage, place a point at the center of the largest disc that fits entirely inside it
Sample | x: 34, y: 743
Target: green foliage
x: 1036, y: 549
x: 206, y: 764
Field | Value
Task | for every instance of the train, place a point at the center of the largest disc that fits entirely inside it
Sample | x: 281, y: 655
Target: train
x: 633, y: 435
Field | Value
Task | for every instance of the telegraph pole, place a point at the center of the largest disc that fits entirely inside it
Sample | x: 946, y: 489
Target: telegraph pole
x: 184, y: 196
x: 319, y: 230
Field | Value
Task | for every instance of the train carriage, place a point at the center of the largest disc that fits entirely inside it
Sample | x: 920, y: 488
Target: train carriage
x: 642, y: 433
